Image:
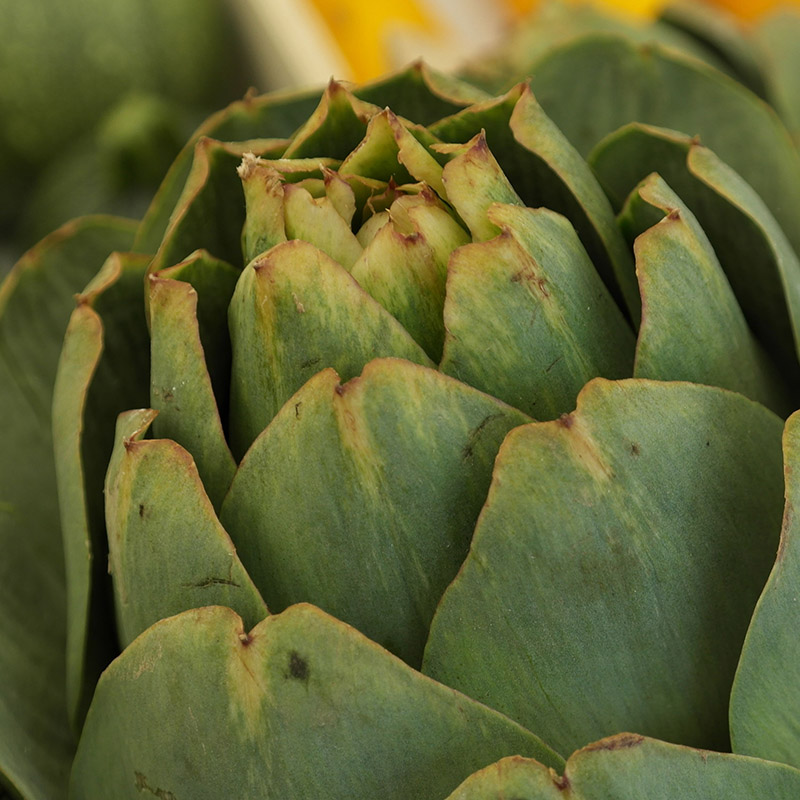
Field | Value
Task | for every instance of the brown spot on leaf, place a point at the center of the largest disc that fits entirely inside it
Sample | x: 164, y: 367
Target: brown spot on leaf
x: 298, y: 667
x: 566, y: 421
x: 553, y: 363
x: 561, y: 782
x: 635, y: 451
x: 621, y: 741
x: 297, y: 410
x: 480, y: 144
x: 141, y: 509
x: 208, y: 582
x: 469, y: 448
x: 529, y: 276
x: 142, y: 786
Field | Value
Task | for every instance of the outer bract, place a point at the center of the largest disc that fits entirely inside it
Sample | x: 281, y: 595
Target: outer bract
x: 400, y: 452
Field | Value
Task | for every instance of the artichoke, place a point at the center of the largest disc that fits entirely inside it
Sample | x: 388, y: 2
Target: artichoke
x: 141, y: 75
x: 417, y: 439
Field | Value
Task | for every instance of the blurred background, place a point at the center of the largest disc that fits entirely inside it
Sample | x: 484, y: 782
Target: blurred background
x: 97, y: 96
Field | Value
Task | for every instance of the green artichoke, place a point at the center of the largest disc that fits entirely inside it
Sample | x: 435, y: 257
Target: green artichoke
x: 416, y: 439
x: 96, y: 99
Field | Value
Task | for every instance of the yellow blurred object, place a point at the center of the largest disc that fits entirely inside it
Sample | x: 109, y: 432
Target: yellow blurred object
x: 642, y: 8
x: 361, y: 29
x: 304, y: 42
x: 752, y: 9
x: 519, y: 8
x: 744, y: 9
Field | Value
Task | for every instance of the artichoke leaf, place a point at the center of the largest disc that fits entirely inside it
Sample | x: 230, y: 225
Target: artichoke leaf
x: 758, y: 259
x: 263, y: 185
x: 421, y: 93
x: 418, y: 92
x: 300, y: 701
x: 692, y: 326
x: 404, y: 265
x: 632, y: 767
x: 167, y: 551
x: 337, y: 125
x: 556, y: 22
x: 722, y: 33
x: 545, y: 170
x: 182, y: 388
x: 474, y: 181
x: 528, y: 319
x: 599, y: 531
x: 295, y: 312
x: 209, y: 213
x: 318, y: 222
x: 390, y: 151
x: 36, y: 300
x: 108, y: 328
x: 776, y: 35
x: 597, y: 84
x: 765, y: 703
x: 273, y: 116
x: 362, y: 498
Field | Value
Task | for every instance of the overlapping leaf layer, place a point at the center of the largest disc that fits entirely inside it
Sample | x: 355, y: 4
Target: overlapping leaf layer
x: 421, y: 451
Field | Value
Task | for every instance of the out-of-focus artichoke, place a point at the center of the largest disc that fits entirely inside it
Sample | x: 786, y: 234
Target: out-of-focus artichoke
x: 483, y: 397
x: 96, y: 99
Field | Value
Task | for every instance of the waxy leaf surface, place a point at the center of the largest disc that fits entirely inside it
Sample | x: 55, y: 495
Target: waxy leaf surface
x: 186, y: 356
x: 167, y: 551
x: 616, y: 564
x: 528, y: 319
x: 756, y: 255
x: 301, y: 701
x: 295, y: 312
x: 362, y: 498
x: 103, y: 367
x: 36, y: 299
x: 765, y: 701
x: 632, y: 767
x: 598, y: 84
x: 545, y: 170
x: 692, y: 326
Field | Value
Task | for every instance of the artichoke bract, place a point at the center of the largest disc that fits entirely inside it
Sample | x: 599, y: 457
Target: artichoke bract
x: 418, y: 443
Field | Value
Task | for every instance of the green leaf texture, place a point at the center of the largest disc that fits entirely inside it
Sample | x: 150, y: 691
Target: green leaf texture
x: 597, y: 84
x: 106, y: 330
x: 36, y: 743
x: 632, y: 767
x: 302, y: 704
x: 362, y: 497
x: 616, y: 564
x: 765, y: 706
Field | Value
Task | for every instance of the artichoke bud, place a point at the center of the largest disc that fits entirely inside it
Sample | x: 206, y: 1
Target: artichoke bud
x: 349, y: 422
x: 340, y: 194
x: 404, y: 266
x: 368, y: 231
x: 317, y: 221
x: 263, y: 194
x: 265, y: 197
x: 474, y: 180
x: 390, y: 150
